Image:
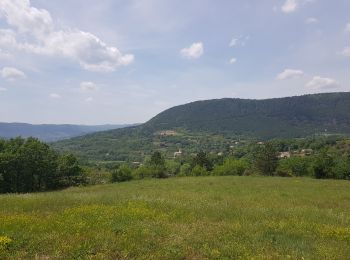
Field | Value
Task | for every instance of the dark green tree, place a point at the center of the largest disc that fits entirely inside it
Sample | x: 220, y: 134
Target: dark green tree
x: 294, y: 166
x: 157, y: 165
x: 157, y: 159
x: 323, y: 165
x: 69, y: 172
x: 28, y: 165
x: 265, y: 159
x: 203, y: 161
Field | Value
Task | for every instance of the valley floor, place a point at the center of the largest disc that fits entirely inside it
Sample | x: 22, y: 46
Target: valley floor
x: 177, y: 218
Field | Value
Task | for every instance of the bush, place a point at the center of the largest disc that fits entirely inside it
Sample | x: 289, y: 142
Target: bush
x: 158, y: 172
x: 123, y: 173
x: 284, y: 172
x: 157, y: 159
x: 231, y: 167
x: 185, y: 170
x: 69, y: 171
x: 341, y: 169
x: 199, y: 171
x: 172, y: 167
x: 96, y: 176
x: 142, y: 172
x: 323, y: 165
x: 156, y: 166
x: 294, y: 166
x: 150, y: 171
x: 203, y: 161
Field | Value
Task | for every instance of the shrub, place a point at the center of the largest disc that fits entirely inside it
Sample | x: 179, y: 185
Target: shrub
x: 96, y: 176
x: 185, y: 170
x: 156, y: 166
x: 203, y: 161
x: 142, y: 172
x: 150, y: 171
x: 199, y: 171
x: 172, y: 167
x: 284, y: 172
x: 323, y: 165
x: 294, y: 166
x: 158, y: 172
x: 231, y: 167
x: 341, y: 170
x: 157, y: 159
x: 69, y: 171
x: 123, y: 173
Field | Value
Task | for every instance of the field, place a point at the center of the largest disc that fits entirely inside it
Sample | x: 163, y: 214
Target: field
x: 181, y: 218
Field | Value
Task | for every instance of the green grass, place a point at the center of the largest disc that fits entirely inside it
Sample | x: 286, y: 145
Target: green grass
x: 179, y: 218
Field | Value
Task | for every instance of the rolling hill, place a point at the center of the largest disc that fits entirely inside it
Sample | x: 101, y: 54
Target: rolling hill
x: 49, y: 132
x: 211, y: 124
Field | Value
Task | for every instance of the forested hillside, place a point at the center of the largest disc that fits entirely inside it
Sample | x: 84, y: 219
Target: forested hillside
x: 280, y: 117
x: 213, y: 125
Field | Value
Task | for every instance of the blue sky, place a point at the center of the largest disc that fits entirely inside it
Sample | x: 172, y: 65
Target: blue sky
x: 114, y: 61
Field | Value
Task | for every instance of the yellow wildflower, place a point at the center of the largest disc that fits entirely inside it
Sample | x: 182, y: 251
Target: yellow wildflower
x: 5, y: 242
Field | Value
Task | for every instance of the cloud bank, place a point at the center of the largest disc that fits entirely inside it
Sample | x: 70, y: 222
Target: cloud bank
x: 319, y: 83
x: 33, y: 30
x: 290, y: 73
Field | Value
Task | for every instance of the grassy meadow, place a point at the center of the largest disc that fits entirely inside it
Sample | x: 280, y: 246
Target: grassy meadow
x: 181, y: 218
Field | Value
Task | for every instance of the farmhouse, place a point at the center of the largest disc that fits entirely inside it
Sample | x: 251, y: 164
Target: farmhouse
x: 178, y: 154
x: 167, y: 133
x: 284, y: 155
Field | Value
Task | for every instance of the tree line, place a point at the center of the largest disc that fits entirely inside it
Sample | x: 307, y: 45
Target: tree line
x: 28, y: 165
x: 327, y: 163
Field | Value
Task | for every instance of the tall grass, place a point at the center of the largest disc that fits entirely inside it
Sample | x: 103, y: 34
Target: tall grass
x: 193, y: 218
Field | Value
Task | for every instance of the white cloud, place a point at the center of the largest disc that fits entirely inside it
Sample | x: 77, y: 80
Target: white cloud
x: 319, y: 83
x: 88, y: 86
x: 346, y: 52
x: 3, y: 89
x: 21, y: 15
x: 290, y: 73
x: 233, y: 60
x: 11, y: 74
x: 311, y: 20
x: 55, y: 96
x: 233, y: 42
x: 195, y: 51
x: 89, y: 99
x: 35, y: 32
x: 347, y: 28
x: 240, y: 41
x: 290, y: 6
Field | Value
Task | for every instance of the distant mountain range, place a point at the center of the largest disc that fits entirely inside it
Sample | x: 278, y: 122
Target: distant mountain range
x: 209, y: 124
x: 50, y: 133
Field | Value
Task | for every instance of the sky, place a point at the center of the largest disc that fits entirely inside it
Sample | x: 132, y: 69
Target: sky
x: 124, y: 61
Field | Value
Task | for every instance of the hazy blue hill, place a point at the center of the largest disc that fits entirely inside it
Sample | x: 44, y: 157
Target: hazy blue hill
x: 210, y: 124
x: 50, y: 132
